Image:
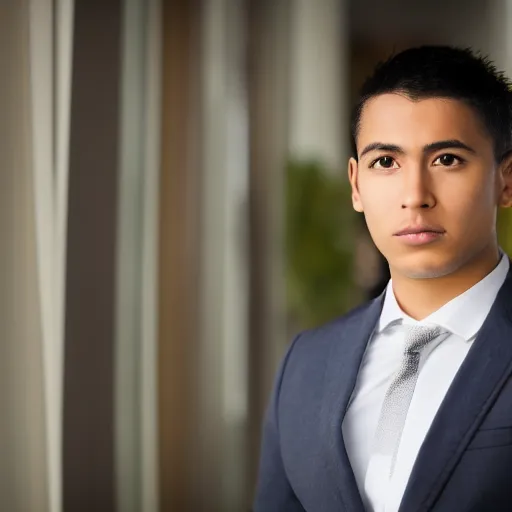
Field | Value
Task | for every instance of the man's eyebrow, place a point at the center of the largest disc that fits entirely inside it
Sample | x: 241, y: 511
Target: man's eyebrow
x: 429, y: 148
x: 381, y: 146
x: 447, y: 144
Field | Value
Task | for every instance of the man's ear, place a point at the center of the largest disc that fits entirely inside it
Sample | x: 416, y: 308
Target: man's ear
x: 353, y: 170
x: 505, y: 182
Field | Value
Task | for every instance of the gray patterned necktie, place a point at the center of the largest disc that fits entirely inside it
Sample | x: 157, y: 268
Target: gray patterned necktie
x: 399, y: 394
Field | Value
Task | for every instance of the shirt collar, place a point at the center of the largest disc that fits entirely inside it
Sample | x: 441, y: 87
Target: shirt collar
x: 464, y: 315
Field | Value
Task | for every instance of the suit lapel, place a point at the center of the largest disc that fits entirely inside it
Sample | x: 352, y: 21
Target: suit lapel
x: 346, y: 354
x: 473, y: 391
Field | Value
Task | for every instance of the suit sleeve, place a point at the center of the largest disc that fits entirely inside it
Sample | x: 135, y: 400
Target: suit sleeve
x: 274, y: 492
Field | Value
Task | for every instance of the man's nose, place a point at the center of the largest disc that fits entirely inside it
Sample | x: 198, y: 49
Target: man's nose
x: 417, y: 191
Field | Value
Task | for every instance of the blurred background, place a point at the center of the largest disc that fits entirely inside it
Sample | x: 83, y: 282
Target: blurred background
x: 173, y: 209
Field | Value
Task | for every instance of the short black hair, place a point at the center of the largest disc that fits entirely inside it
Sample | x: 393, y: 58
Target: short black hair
x: 445, y: 72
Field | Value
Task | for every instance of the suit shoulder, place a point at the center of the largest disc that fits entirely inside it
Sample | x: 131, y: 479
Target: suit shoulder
x: 325, y: 332
x: 315, y: 344
x: 304, y: 368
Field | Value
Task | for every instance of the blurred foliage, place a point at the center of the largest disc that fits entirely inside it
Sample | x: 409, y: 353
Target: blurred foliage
x: 505, y: 230
x: 320, y: 225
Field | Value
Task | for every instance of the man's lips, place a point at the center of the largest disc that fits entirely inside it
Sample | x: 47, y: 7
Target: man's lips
x: 420, y: 235
x: 415, y: 230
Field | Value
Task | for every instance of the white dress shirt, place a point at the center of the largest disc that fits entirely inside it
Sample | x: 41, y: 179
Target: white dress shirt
x: 462, y: 318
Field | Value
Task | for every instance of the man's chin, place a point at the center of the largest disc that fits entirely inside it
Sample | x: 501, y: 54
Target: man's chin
x: 426, y: 273
x: 430, y: 268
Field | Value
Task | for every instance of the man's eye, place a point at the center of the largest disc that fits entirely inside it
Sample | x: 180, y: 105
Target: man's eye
x: 384, y: 162
x: 447, y: 160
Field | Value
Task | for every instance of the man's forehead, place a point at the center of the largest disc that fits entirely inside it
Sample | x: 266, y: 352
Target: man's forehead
x: 398, y: 119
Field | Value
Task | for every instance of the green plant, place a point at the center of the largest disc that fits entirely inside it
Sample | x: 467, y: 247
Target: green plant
x: 319, y: 244
x: 505, y: 229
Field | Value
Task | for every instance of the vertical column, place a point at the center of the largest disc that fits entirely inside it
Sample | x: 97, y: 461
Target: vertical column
x: 222, y: 353
x: 136, y: 307
x: 150, y: 245
x: 127, y: 378
x: 318, y: 92
x: 269, y: 84
x: 179, y: 253
x: 88, y: 424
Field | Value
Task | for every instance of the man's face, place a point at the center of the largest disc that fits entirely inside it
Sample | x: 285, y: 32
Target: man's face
x: 427, y: 183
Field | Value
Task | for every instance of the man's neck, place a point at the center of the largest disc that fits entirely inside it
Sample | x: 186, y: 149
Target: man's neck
x: 419, y: 298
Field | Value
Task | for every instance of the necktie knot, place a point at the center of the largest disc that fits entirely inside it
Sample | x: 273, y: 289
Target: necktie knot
x: 418, y: 337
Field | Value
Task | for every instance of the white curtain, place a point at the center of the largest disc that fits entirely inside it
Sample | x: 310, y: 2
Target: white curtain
x: 22, y: 433
x: 36, y: 42
x: 50, y: 35
x: 34, y: 101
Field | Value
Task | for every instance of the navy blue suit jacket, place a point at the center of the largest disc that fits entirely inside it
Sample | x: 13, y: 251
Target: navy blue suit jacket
x: 465, y: 462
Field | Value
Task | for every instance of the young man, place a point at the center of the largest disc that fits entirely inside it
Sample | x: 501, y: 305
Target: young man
x: 406, y: 402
